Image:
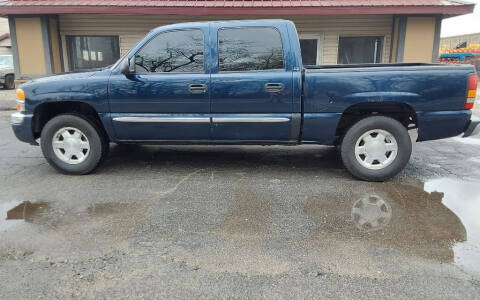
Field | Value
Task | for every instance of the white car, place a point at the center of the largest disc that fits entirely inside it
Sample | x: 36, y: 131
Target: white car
x: 7, y: 73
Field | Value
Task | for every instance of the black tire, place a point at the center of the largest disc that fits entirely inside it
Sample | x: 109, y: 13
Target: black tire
x: 9, y: 82
x: 353, y: 134
x: 98, y: 144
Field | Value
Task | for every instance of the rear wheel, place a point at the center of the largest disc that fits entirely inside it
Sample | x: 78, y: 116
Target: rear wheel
x: 73, y: 144
x: 376, y: 148
x: 9, y: 82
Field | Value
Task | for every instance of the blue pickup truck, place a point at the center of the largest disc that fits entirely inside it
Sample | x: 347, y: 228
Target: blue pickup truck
x: 243, y: 82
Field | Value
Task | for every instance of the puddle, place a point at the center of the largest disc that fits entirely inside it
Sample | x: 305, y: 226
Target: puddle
x: 15, y: 213
x: 436, y: 220
x: 463, y: 199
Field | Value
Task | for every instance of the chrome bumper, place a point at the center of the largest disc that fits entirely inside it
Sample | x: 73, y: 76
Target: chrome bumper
x: 473, y: 129
x: 18, y: 118
x: 22, y: 127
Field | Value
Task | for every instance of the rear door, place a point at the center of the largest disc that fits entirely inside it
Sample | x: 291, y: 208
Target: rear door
x: 251, y: 84
x: 168, y: 96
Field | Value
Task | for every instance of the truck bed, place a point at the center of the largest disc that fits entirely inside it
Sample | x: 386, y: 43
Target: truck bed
x: 434, y: 92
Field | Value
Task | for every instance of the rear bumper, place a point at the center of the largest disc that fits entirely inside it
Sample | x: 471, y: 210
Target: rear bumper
x: 473, y: 129
x: 22, y: 127
x: 434, y: 125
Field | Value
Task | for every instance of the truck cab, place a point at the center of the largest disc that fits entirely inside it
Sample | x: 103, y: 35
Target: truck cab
x: 218, y: 82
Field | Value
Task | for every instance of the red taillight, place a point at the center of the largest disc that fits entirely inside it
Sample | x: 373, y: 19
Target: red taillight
x: 472, y: 91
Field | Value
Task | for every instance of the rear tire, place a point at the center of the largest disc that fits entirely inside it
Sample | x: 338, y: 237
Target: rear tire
x: 9, y: 82
x: 376, y: 148
x: 73, y: 144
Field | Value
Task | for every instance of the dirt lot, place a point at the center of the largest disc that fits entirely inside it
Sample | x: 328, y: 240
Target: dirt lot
x: 239, y: 222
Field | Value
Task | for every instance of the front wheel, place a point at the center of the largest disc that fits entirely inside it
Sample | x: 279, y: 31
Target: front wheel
x: 376, y: 148
x: 73, y: 144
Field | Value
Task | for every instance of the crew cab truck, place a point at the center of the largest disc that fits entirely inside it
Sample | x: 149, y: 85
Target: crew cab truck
x: 243, y: 82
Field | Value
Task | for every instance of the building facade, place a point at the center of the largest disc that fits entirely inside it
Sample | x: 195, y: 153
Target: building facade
x: 51, y: 37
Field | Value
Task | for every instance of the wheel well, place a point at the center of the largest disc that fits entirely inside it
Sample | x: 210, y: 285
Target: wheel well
x: 46, y: 111
x: 401, y: 112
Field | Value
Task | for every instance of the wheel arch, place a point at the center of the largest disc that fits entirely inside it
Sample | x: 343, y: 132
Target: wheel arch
x: 48, y: 110
x: 400, y: 111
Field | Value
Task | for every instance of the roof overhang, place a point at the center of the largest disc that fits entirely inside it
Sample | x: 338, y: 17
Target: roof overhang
x: 447, y: 10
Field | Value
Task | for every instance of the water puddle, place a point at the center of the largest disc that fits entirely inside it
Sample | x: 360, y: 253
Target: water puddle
x: 16, y: 213
x: 463, y: 199
x: 438, y: 219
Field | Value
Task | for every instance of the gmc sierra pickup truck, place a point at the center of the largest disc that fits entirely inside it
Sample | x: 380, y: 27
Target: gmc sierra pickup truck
x: 243, y: 82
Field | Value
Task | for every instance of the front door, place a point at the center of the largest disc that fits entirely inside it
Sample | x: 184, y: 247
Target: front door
x: 167, y: 98
x: 251, y: 89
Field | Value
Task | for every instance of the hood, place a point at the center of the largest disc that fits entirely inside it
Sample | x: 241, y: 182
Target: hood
x: 66, y: 76
x: 75, y: 82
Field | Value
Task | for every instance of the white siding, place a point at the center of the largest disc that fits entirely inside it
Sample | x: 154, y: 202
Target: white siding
x: 131, y: 28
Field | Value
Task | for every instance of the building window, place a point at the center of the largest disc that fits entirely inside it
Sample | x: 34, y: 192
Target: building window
x: 249, y: 49
x: 88, y: 52
x: 311, y: 49
x: 172, y: 51
x: 360, y: 50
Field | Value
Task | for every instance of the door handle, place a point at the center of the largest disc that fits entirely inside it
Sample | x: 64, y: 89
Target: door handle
x: 274, y: 87
x: 197, y: 88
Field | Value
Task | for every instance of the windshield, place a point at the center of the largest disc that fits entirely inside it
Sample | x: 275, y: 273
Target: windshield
x: 6, y: 60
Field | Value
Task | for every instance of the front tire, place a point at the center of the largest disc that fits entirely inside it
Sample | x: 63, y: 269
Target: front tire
x: 376, y: 148
x: 73, y: 144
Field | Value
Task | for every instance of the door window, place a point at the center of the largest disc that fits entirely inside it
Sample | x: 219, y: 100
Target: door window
x: 87, y: 52
x: 179, y: 51
x: 249, y: 49
x: 357, y: 50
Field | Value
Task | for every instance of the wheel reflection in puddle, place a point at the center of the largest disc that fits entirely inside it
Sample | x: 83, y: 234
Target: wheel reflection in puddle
x: 371, y: 213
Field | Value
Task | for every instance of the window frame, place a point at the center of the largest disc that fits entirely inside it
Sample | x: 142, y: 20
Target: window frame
x: 251, y: 71
x: 382, y: 37
x: 67, y: 51
x: 132, y: 58
x: 320, y: 41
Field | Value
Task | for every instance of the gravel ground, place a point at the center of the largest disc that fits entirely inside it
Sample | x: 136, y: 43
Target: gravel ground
x: 7, y: 99
x: 239, y: 222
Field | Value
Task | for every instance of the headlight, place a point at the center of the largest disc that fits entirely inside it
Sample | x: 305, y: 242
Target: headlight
x: 20, y: 100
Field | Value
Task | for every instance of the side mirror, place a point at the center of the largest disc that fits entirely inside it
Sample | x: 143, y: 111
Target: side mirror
x: 126, y: 67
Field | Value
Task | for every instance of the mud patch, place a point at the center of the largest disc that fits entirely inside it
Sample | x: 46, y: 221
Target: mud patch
x: 239, y: 244
x: 250, y: 215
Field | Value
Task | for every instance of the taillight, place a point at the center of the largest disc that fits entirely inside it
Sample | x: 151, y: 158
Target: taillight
x: 472, y: 91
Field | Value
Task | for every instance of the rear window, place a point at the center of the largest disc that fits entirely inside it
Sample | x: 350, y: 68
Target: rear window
x: 249, y: 49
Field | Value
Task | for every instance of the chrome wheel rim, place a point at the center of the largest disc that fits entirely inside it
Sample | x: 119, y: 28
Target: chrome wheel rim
x: 376, y: 149
x: 71, y: 145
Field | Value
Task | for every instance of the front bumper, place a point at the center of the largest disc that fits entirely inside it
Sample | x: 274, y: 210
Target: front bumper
x: 22, y: 127
x: 473, y: 129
